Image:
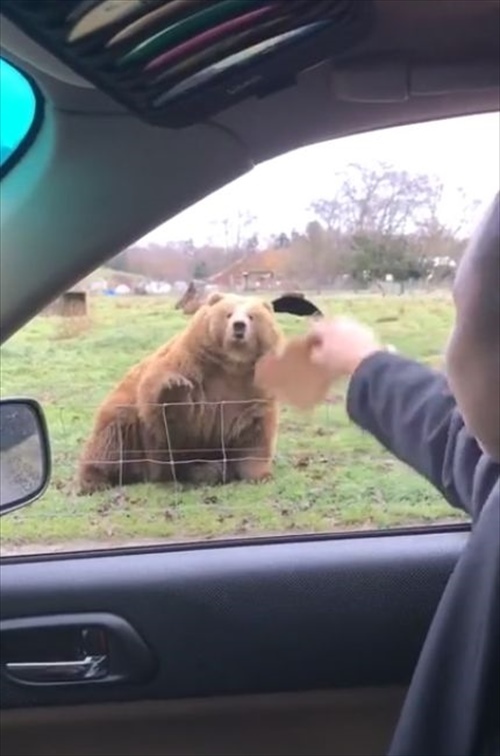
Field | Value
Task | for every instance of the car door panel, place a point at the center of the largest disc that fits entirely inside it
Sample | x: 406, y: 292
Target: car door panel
x: 242, y: 619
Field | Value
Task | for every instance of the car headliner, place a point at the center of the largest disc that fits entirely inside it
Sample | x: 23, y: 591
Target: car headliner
x: 96, y: 178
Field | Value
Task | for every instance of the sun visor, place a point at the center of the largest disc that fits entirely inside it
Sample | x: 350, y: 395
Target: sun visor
x: 176, y: 62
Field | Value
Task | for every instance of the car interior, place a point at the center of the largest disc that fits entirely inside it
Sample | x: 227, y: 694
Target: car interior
x: 278, y: 645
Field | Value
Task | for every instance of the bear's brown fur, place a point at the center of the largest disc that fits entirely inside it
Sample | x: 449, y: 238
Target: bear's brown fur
x: 190, y: 412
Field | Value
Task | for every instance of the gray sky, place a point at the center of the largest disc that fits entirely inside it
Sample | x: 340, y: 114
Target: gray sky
x: 461, y: 152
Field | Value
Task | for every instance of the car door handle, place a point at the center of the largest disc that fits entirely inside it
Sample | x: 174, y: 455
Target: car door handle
x: 73, y: 650
x: 89, y: 668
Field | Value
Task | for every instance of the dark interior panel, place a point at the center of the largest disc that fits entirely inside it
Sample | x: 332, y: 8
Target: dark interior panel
x: 311, y: 615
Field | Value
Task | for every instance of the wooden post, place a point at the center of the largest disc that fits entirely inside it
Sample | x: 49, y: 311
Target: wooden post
x: 72, y: 304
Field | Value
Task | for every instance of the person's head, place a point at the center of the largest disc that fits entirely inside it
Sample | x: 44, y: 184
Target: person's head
x: 473, y: 353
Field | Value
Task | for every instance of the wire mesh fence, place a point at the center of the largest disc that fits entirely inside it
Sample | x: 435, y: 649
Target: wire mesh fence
x: 325, y: 476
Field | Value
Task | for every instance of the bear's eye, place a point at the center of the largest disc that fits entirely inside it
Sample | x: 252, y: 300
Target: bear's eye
x: 229, y: 315
x: 250, y: 317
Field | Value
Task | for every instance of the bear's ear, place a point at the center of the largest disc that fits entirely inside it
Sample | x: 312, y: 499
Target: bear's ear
x: 268, y: 306
x: 214, y: 297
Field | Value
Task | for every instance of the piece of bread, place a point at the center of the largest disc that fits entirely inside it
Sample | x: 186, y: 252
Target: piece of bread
x: 291, y: 377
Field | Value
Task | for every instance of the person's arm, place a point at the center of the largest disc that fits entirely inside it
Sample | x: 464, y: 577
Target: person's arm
x: 409, y: 409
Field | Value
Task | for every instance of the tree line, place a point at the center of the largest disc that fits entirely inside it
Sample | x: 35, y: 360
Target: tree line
x: 379, y: 224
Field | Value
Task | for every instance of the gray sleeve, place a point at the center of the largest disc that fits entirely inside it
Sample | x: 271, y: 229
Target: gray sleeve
x: 409, y: 409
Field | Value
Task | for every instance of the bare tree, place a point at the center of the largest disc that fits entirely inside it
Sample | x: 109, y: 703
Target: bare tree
x: 469, y: 208
x: 330, y: 211
x: 379, y: 200
x: 236, y: 231
x: 314, y: 255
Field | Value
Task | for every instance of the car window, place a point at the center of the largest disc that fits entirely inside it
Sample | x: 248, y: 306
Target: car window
x: 19, y: 109
x: 372, y: 226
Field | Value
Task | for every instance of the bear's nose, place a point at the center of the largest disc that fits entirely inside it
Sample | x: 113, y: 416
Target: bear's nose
x: 239, y: 328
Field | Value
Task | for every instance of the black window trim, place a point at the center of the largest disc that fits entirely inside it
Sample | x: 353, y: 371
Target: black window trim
x: 225, y: 543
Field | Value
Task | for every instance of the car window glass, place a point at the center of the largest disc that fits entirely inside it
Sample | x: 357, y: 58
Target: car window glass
x: 372, y: 226
x: 18, y: 108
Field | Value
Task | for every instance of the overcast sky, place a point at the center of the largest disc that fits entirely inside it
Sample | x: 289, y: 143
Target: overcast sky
x: 461, y: 152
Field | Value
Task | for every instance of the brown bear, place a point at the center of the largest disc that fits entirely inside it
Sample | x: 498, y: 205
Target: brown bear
x: 191, y: 412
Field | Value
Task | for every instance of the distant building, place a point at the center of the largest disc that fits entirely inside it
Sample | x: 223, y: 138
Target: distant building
x: 257, y: 270
x: 98, y: 286
x: 180, y: 286
x: 157, y: 287
x: 122, y: 289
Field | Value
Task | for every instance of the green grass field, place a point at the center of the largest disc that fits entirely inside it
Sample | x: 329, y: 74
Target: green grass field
x: 328, y: 476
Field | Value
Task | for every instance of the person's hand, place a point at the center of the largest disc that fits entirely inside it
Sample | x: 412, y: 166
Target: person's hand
x: 341, y: 344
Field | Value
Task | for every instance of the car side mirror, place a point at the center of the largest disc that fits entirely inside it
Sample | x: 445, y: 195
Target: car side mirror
x: 24, y: 453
